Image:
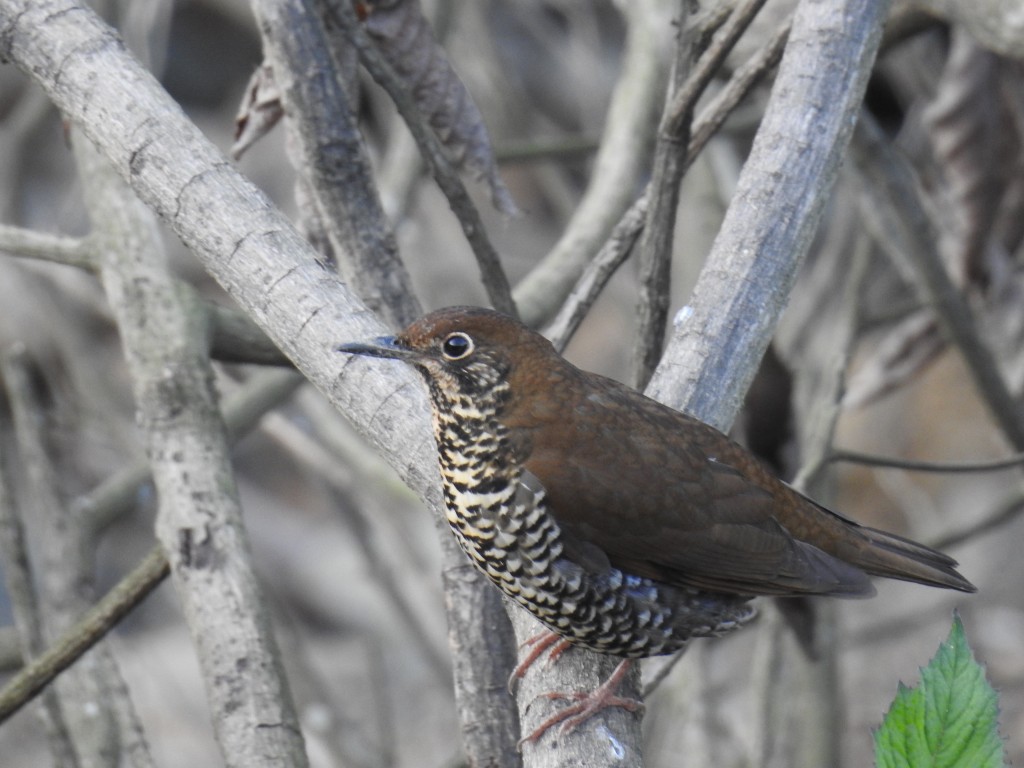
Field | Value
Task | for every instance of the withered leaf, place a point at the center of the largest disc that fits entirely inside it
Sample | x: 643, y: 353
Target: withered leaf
x: 259, y: 111
x: 405, y: 37
x: 976, y: 144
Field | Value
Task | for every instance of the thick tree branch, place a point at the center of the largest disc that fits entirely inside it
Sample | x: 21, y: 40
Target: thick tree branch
x: 721, y: 336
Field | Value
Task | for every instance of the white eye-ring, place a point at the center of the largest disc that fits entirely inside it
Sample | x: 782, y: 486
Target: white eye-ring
x: 457, y: 346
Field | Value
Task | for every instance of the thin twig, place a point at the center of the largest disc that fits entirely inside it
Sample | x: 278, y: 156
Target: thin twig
x: 628, y: 229
x: 910, y: 465
x: 1009, y: 510
x: 626, y: 232
x: 654, y: 252
x: 819, y: 427
x: 663, y: 672
x: 492, y: 274
x: 596, y: 275
x: 66, y: 566
x: 670, y: 163
x: 677, y: 114
x: 18, y: 577
x: 83, y: 635
x: 743, y: 80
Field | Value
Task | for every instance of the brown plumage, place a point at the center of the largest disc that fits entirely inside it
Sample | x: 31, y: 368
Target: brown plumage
x: 623, y: 525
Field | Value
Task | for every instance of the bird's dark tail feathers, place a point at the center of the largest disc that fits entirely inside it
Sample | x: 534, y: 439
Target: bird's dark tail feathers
x: 895, y: 557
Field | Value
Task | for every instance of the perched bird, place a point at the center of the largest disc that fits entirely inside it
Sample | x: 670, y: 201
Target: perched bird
x: 624, y: 526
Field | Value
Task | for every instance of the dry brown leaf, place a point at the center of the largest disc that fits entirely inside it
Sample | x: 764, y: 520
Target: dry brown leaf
x: 259, y: 111
x: 976, y: 144
x: 405, y: 37
x: 908, y: 350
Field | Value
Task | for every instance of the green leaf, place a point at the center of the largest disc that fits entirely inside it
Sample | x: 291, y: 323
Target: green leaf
x: 950, y: 720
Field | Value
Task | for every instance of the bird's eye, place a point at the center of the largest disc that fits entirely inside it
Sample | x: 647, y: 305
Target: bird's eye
x: 457, y: 346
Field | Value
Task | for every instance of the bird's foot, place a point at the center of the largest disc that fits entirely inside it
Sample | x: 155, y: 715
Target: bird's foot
x: 538, y: 645
x: 587, y: 705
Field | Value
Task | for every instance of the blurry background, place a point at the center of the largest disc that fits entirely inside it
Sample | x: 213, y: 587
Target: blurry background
x: 347, y: 555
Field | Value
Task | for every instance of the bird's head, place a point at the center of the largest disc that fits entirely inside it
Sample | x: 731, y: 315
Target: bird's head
x: 466, y: 352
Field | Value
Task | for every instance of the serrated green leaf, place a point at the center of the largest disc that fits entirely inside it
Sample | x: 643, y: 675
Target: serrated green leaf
x: 950, y: 720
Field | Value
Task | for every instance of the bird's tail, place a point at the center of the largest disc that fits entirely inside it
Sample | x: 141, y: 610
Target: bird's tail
x: 892, y: 556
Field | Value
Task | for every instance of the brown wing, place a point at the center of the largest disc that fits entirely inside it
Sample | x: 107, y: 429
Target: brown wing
x: 667, y: 497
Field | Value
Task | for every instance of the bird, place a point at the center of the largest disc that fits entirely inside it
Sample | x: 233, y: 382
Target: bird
x: 624, y: 526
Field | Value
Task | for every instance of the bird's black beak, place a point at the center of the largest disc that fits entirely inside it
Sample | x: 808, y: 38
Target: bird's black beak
x: 383, y: 346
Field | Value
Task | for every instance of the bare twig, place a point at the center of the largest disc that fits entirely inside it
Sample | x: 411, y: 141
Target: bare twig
x: 654, y: 252
x: 84, y: 634
x: 617, y: 249
x: 663, y: 672
x: 670, y: 163
x: 1007, y: 511
x: 65, y: 574
x: 596, y: 275
x: 890, y: 462
x: 740, y: 84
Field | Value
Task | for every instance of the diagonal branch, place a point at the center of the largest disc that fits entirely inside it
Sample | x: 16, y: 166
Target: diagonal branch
x: 84, y: 634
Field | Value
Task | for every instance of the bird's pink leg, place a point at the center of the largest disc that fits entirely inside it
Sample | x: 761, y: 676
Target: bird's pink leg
x: 587, y: 705
x: 538, y: 644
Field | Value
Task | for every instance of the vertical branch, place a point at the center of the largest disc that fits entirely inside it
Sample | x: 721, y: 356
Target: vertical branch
x: 199, y: 518
x: 654, y: 255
